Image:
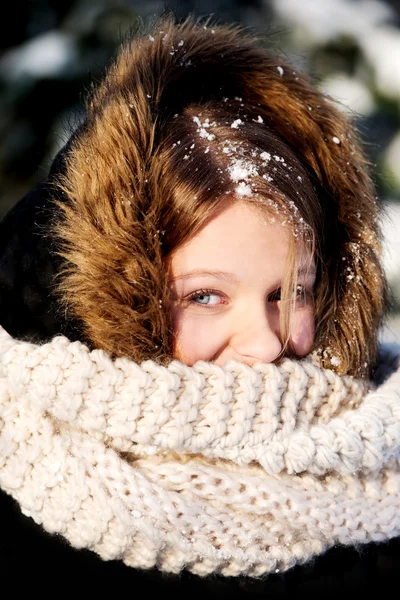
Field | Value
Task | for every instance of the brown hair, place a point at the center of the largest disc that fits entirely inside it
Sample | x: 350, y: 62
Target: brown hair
x: 133, y: 194
x: 223, y: 152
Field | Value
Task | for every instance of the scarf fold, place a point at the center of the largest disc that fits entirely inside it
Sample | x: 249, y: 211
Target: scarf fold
x: 232, y: 469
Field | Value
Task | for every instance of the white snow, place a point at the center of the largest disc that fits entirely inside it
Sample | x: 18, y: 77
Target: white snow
x: 368, y: 22
x: 242, y: 170
x: 329, y: 19
x: 391, y: 239
x: 236, y: 123
x: 243, y: 189
x: 202, y: 131
x: 47, y: 55
x: 391, y: 260
x: 351, y: 93
x: 382, y: 49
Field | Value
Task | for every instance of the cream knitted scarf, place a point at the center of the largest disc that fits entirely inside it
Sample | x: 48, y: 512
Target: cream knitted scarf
x: 234, y: 470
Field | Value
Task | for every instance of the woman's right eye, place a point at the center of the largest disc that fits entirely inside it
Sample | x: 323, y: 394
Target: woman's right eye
x: 206, y: 299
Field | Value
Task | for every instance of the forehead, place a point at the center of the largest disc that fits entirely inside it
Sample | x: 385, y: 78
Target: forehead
x: 237, y: 238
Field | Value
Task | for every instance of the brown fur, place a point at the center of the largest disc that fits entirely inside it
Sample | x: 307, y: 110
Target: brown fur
x: 115, y: 182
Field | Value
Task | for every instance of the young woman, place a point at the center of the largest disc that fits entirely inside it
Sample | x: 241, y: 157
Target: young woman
x: 211, y: 223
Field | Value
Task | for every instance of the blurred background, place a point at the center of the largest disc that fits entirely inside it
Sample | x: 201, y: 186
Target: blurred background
x: 51, y: 51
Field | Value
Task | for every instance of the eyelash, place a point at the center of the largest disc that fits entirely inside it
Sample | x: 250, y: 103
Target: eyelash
x: 204, y: 292
x: 273, y: 297
x: 300, y: 290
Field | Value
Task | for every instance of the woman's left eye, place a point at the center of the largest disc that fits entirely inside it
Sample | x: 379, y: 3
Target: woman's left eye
x: 299, y: 294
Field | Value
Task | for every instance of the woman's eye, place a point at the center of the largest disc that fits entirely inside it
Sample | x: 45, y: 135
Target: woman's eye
x: 207, y: 299
x: 275, y: 296
x: 299, y: 294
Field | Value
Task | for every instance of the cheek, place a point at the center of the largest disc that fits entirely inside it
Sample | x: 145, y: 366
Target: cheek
x: 302, y: 332
x: 195, y: 338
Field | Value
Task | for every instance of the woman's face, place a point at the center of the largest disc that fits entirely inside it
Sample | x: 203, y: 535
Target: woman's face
x: 225, y: 285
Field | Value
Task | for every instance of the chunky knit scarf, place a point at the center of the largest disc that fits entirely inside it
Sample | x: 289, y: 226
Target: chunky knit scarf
x: 234, y: 470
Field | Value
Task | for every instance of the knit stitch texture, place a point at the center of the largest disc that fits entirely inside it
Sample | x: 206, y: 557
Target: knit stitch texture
x: 233, y: 469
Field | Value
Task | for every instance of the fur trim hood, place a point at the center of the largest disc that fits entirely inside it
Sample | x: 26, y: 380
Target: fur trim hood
x: 109, y: 229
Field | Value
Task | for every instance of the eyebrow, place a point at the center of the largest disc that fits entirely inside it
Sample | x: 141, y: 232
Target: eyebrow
x: 306, y: 270
x: 223, y: 275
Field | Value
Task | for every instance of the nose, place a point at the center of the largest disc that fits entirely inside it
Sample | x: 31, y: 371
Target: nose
x: 257, y: 337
